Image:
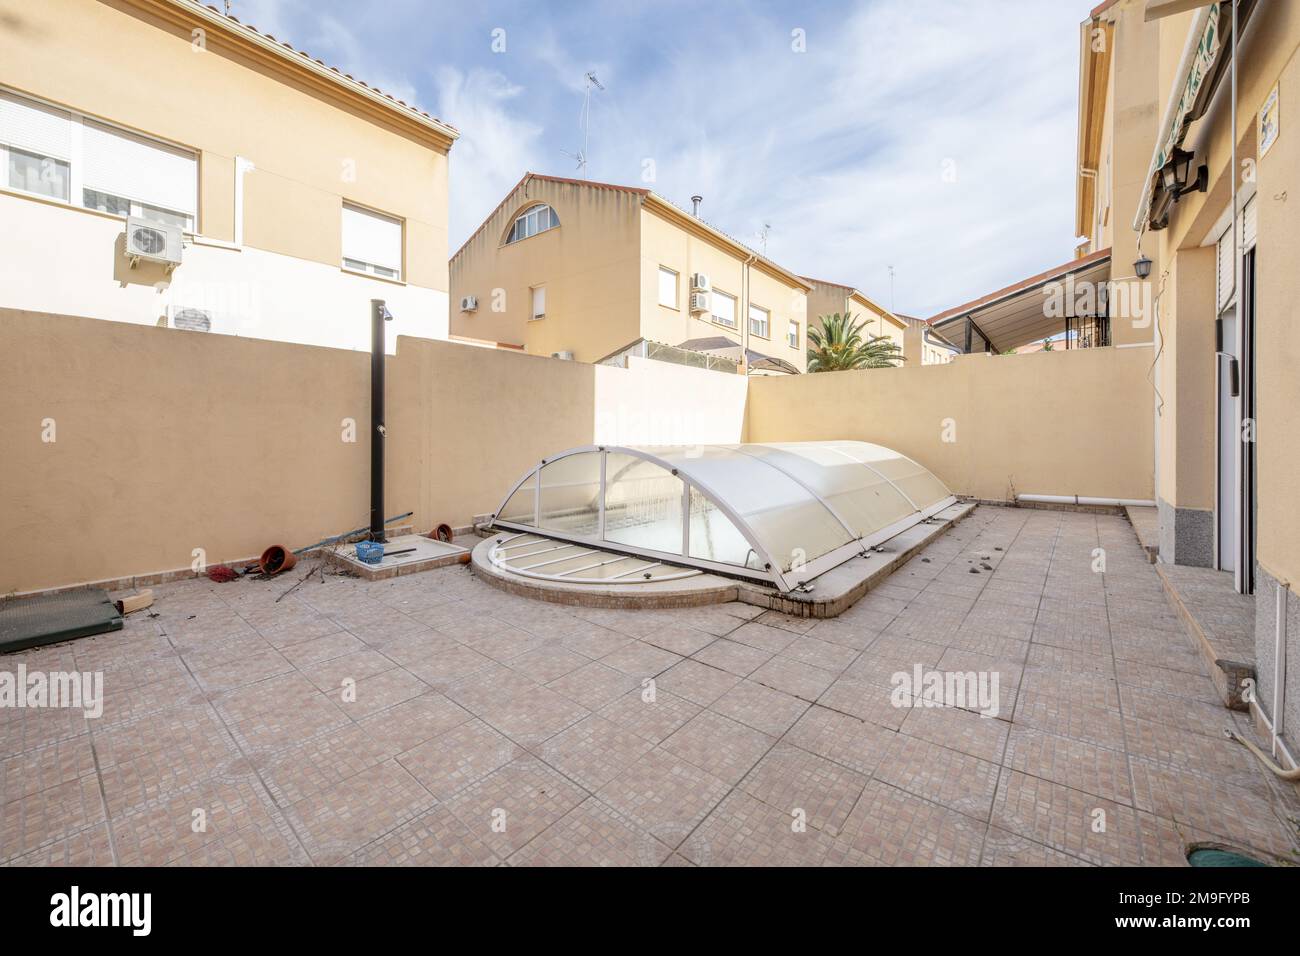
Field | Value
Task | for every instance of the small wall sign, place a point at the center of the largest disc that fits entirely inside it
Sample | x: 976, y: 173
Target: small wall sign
x: 1270, y: 123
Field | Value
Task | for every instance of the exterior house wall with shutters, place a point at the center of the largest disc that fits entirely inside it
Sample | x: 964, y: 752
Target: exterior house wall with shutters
x: 278, y: 152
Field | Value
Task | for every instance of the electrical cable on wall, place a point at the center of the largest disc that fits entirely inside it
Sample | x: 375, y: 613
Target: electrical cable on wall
x: 1160, y: 344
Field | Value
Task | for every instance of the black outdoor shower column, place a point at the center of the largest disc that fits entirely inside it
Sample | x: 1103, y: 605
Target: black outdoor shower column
x: 379, y: 314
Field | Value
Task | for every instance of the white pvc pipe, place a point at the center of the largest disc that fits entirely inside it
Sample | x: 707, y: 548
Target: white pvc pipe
x: 1279, y: 663
x: 1084, y: 500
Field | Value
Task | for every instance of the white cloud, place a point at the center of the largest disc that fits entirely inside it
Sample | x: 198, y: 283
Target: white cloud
x: 495, y: 148
x: 327, y: 38
x: 841, y: 148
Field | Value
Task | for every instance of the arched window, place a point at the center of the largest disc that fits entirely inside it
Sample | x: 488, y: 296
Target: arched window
x: 531, y: 221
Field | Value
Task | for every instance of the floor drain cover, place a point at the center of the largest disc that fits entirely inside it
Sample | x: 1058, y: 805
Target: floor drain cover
x: 50, y: 618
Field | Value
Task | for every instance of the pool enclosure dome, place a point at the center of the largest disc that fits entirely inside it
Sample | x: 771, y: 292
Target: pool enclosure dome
x: 777, y: 512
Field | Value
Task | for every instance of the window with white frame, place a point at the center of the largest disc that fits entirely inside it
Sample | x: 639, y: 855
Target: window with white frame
x: 759, y: 322
x: 723, y: 308
x: 532, y: 221
x: 63, y: 155
x: 792, y: 335
x: 539, y: 302
x: 372, y: 242
x: 667, y: 287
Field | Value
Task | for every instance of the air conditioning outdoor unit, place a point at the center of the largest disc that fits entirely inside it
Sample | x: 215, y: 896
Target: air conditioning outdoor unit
x: 699, y: 302
x: 152, y: 242
x: 469, y: 303
x: 566, y: 355
x: 194, y: 320
x: 700, y: 282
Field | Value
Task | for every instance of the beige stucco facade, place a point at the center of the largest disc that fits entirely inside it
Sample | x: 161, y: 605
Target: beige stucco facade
x: 600, y: 268
x: 923, y: 347
x: 1205, y: 433
x: 281, y: 142
x: 1125, y: 84
x: 828, y: 298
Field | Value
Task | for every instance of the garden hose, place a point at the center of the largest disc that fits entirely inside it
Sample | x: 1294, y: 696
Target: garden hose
x: 1264, y: 758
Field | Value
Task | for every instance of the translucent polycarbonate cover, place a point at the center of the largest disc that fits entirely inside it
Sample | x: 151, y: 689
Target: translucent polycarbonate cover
x: 862, y: 499
x: 789, y: 523
x: 772, y: 510
x: 521, y: 508
x: 715, y: 538
x: 643, y: 504
x: 919, y: 484
x: 570, y: 494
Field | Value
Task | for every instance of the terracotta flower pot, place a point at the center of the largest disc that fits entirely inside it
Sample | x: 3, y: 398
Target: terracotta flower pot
x: 277, y: 558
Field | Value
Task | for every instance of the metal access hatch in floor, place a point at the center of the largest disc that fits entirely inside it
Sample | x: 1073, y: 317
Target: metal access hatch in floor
x: 547, y: 559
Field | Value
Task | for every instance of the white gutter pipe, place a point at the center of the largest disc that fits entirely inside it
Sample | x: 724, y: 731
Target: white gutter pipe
x: 1274, y: 726
x: 1082, y: 500
x: 1279, y: 663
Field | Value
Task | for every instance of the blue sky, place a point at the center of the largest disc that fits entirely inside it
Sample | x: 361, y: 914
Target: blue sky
x: 936, y: 136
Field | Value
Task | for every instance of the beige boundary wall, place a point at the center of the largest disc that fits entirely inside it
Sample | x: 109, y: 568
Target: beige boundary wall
x: 166, y: 441
x: 1052, y: 423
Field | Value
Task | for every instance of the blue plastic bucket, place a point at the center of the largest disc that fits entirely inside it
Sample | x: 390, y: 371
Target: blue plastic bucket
x: 371, y: 552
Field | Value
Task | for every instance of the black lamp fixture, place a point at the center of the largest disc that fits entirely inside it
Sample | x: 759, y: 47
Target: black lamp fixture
x: 1173, y: 175
x: 1142, y: 267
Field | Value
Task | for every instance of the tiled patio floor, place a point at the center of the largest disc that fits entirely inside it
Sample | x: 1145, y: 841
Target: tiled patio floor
x: 434, y: 720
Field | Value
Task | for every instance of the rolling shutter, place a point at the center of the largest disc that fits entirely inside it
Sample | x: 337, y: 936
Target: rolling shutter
x: 134, y: 167
x: 1226, y: 275
x: 371, y: 238
x: 1248, y: 224
x: 34, y: 127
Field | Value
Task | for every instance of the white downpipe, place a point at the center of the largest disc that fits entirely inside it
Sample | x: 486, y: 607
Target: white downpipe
x: 1279, y: 663
x: 242, y: 168
x: 1084, y: 500
x: 1239, y: 569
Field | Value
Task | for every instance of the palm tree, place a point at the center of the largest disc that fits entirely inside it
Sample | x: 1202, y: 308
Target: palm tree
x: 840, y: 344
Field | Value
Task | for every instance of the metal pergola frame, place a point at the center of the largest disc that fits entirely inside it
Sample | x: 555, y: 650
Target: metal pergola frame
x: 771, y: 571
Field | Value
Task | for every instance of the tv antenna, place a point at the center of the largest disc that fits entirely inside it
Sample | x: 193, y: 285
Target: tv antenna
x: 762, y: 235
x: 589, y: 83
x: 578, y: 158
x: 891, y: 287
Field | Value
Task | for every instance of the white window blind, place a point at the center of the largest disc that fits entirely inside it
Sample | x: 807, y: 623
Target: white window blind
x: 1248, y: 225
x: 667, y: 287
x: 34, y: 127
x: 539, y: 302
x: 133, y: 167
x: 1226, y: 272
x: 1226, y: 276
x: 372, y: 239
x: 724, y: 308
x: 792, y: 335
x: 758, y: 321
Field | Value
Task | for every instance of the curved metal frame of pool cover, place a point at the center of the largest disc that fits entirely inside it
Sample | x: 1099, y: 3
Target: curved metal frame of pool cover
x: 771, y: 570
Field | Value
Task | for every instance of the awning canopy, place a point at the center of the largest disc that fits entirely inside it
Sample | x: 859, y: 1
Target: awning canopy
x: 729, y: 348
x: 1029, y: 310
x: 1207, y: 55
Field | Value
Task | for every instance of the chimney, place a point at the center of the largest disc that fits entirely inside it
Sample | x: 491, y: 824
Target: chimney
x: 695, y: 205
